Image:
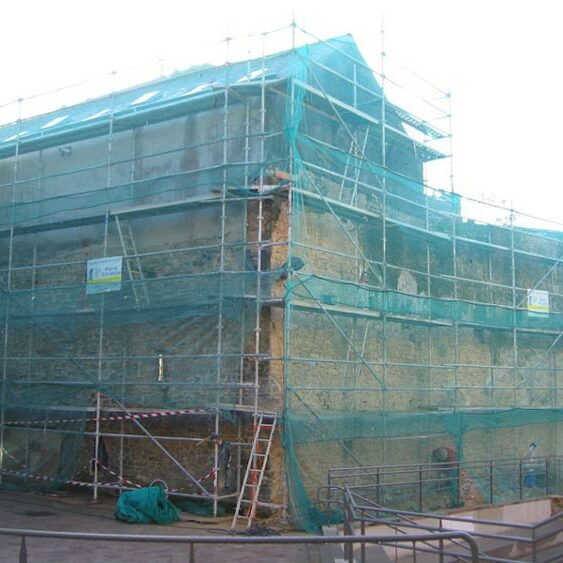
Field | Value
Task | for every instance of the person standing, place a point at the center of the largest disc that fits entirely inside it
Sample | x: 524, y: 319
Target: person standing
x: 530, y: 466
x: 447, y: 471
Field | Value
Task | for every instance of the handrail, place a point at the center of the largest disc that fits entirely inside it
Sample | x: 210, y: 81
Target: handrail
x: 439, y: 516
x: 360, y: 512
x: 393, y: 525
x: 237, y: 540
x: 410, y: 524
x: 350, y: 516
x: 550, y: 520
x: 454, y: 475
x: 335, y: 471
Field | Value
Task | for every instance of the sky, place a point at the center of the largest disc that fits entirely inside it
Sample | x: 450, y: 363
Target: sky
x: 500, y: 60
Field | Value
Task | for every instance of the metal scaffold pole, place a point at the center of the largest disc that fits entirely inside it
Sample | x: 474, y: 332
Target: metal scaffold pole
x: 219, y: 359
x: 514, y: 309
x: 260, y: 227
x: 100, y: 367
x: 100, y: 374
x: 399, y: 302
x: 451, y: 143
x: 244, y: 320
x: 7, y: 290
x: 384, y: 238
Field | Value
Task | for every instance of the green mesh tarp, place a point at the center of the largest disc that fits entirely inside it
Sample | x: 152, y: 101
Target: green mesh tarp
x: 149, y: 505
x: 385, y: 362
x: 405, y: 323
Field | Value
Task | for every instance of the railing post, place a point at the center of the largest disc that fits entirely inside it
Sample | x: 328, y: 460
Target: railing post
x: 491, y: 496
x: 192, y: 553
x: 378, y: 483
x: 419, y: 488
x: 520, y: 479
x: 23, y: 551
x: 547, y: 468
x: 363, y: 545
x: 458, y: 485
x: 348, y: 547
x: 441, y: 545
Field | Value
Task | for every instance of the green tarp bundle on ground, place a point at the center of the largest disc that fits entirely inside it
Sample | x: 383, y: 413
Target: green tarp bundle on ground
x: 148, y: 505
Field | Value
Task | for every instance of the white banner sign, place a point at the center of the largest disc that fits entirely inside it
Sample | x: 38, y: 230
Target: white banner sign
x: 538, y: 302
x: 104, y: 274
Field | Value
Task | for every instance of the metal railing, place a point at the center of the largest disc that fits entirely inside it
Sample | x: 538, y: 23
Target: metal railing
x: 415, y: 486
x: 191, y: 541
x: 498, y: 541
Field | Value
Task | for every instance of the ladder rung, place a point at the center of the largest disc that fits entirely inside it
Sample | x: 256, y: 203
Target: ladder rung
x: 258, y: 469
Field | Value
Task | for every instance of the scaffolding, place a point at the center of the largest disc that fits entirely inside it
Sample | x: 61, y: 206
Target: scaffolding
x: 204, y: 359
x: 291, y: 244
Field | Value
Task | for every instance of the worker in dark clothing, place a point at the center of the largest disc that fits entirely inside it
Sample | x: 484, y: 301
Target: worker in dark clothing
x: 224, y: 458
x: 447, y: 469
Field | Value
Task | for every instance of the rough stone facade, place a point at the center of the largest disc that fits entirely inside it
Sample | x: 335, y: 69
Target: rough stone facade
x: 200, y: 312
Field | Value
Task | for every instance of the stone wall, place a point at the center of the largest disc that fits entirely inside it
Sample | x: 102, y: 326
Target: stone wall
x: 425, y: 366
x: 48, y: 274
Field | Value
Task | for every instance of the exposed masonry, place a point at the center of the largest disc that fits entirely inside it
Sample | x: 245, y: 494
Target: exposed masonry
x: 228, y: 227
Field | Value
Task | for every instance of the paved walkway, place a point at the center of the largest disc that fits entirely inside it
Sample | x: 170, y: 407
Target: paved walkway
x: 77, y: 513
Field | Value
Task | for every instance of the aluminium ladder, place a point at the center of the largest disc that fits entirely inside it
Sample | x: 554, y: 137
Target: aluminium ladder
x: 132, y: 262
x: 254, y: 475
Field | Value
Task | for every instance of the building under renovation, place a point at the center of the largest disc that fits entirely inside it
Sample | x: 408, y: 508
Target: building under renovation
x: 238, y: 278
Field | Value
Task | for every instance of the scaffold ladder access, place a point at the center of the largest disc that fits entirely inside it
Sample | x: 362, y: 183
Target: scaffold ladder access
x: 254, y: 475
x: 132, y: 261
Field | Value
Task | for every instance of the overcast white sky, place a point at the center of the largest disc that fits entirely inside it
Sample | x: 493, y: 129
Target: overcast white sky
x: 501, y: 60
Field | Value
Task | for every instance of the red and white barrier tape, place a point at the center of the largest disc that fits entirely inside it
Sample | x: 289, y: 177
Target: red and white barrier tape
x: 27, y: 475
x: 121, y: 479
x: 7, y: 453
x: 210, y: 475
x: 136, y: 416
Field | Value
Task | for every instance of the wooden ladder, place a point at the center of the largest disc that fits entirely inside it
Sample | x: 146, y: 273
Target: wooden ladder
x: 132, y: 262
x: 254, y: 475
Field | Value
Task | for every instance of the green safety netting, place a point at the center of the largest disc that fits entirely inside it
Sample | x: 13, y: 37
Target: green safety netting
x: 405, y: 322
x: 382, y: 374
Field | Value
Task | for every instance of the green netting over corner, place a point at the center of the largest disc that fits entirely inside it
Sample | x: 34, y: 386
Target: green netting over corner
x: 464, y: 367
x: 314, y: 442
x: 405, y: 326
x: 324, y: 292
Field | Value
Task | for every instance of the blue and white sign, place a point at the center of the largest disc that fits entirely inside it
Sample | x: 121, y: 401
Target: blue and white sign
x: 104, y: 274
x: 538, y: 303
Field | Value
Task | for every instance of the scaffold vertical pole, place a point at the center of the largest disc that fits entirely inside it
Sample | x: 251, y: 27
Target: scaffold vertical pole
x: 7, y: 290
x: 100, y: 367
x: 219, y: 359
x: 384, y: 240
